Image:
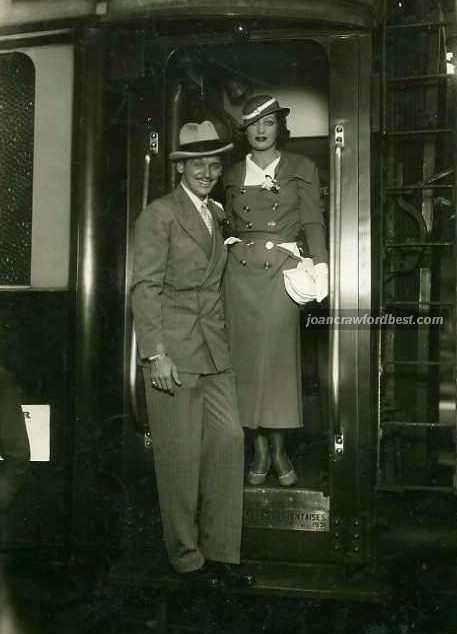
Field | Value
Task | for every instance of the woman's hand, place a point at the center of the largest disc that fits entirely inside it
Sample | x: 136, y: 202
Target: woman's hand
x: 164, y: 374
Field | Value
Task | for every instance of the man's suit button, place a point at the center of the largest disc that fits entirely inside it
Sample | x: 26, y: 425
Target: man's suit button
x: 271, y: 223
x: 275, y: 205
x: 242, y: 190
x: 243, y: 262
x: 249, y: 225
x: 267, y: 266
x: 246, y: 208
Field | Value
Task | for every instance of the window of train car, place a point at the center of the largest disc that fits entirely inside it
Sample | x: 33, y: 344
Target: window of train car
x: 35, y: 129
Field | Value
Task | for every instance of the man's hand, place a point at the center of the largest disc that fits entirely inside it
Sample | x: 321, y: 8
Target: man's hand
x: 164, y: 374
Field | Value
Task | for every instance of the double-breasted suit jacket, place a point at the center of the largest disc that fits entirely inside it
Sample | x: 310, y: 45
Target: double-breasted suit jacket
x: 176, y: 285
x: 262, y: 320
x: 197, y: 438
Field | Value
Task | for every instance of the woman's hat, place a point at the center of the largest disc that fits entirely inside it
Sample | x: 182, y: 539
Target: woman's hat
x: 199, y: 139
x: 259, y: 106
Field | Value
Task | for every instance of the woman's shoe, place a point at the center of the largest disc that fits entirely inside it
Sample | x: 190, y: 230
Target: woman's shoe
x: 288, y: 479
x: 283, y: 466
x: 256, y: 478
x: 285, y: 472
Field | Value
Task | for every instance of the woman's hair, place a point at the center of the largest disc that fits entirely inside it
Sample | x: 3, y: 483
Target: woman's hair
x: 283, y: 130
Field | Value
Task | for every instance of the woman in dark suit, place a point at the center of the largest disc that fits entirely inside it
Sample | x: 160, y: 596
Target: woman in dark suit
x: 271, y: 197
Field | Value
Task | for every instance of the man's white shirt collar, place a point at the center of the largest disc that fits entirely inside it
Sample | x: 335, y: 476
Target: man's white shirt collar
x: 198, y: 202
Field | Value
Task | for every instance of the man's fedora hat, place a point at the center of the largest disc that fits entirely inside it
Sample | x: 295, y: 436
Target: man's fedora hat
x: 259, y: 106
x: 199, y: 139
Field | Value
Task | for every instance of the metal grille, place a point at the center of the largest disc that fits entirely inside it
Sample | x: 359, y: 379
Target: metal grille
x: 17, y: 101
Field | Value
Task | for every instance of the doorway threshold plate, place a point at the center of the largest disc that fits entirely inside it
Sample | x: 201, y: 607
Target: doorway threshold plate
x: 297, y: 509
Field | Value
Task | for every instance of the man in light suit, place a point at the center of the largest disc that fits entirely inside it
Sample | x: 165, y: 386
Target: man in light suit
x: 179, y: 259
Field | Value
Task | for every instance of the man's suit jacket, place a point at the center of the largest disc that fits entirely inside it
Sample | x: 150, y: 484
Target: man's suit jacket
x: 177, y: 272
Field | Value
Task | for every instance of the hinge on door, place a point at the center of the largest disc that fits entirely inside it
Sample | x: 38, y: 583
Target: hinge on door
x: 339, y: 136
x: 154, y: 142
x: 338, y: 444
x: 147, y: 439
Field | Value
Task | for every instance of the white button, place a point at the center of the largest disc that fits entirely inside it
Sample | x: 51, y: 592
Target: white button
x: 269, y: 244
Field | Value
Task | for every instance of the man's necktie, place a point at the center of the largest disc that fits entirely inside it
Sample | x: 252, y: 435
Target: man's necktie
x: 207, y: 217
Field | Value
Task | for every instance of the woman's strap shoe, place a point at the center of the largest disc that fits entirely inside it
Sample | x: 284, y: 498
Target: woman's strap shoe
x: 256, y: 478
x: 288, y: 479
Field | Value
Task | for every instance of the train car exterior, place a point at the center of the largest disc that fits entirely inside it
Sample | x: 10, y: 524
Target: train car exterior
x: 93, y: 95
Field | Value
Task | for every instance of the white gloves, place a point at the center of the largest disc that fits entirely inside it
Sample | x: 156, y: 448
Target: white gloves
x: 321, y: 279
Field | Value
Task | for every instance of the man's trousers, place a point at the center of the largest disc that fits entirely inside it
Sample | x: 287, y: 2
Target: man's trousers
x: 198, y: 447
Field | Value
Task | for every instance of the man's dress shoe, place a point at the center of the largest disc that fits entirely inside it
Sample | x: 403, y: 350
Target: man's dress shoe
x: 203, y: 578
x: 232, y: 575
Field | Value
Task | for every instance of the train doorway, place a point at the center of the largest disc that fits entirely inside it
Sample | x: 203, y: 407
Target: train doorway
x: 214, y: 82
x: 323, y: 79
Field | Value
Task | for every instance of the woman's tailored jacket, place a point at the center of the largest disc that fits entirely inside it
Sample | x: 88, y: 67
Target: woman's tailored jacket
x: 262, y: 320
x: 176, y: 294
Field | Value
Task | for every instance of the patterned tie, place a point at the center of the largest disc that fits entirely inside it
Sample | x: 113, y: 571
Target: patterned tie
x: 207, y: 217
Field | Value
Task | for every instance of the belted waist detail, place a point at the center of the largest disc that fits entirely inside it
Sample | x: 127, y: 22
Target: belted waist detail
x: 259, y: 237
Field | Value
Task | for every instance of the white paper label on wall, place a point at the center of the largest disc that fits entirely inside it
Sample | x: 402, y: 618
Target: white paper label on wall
x: 37, y: 420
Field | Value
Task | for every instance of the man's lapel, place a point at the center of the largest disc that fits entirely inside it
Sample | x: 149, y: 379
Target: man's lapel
x: 218, y: 250
x: 191, y: 221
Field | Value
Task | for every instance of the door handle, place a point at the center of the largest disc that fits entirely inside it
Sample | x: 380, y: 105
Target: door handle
x: 335, y: 268
x: 143, y: 428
